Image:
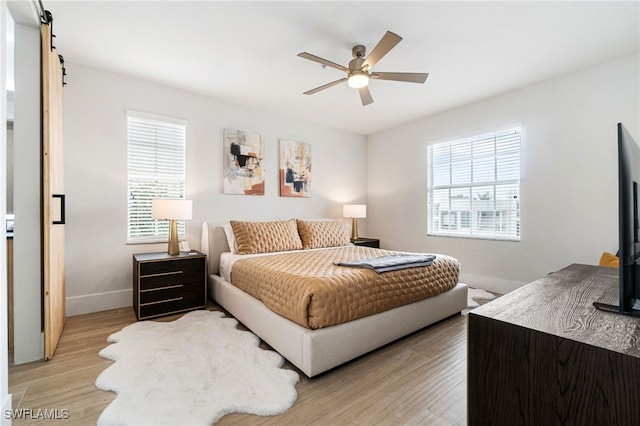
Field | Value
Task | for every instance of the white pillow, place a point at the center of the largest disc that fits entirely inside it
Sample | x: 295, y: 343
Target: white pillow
x: 231, y: 238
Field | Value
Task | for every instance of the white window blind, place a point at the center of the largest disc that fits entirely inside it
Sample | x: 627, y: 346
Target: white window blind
x: 156, y: 169
x: 474, y: 187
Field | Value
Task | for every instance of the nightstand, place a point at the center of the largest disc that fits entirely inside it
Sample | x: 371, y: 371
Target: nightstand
x: 165, y: 284
x: 367, y: 242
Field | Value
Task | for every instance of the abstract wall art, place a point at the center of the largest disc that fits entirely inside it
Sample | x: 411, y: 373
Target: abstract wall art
x: 295, y: 168
x: 243, y: 154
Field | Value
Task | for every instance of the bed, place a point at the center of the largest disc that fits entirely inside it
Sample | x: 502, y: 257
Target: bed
x: 315, y: 347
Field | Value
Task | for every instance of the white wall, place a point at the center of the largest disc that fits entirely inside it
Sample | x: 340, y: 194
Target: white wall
x: 98, y: 261
x: 28, y: 343
x: 569, y: 175
x: 5, y: 397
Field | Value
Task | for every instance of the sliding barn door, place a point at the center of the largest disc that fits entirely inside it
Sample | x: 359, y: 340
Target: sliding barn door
x: 52, y: 195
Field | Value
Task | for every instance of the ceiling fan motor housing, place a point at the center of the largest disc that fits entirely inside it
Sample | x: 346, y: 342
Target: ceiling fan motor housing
x: 356, y: 64
x: 358, y: 51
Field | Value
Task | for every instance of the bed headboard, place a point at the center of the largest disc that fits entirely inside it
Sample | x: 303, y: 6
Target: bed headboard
x: 213, y: 243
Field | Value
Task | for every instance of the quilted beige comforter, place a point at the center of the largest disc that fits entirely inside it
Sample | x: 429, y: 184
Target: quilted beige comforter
x: 307, y: 288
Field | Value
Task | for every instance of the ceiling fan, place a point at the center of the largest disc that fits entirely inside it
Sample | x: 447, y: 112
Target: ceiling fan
x: 359, y: 70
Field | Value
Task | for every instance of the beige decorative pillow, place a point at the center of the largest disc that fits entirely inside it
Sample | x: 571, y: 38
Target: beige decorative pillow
x: 318, y: 234
x: 266, y: 237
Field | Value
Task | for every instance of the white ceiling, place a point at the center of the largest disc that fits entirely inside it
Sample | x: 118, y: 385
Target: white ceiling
x: 245, y: 52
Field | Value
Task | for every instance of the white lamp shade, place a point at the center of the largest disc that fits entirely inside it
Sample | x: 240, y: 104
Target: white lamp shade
x: 171, y: 209
x: 354, y: 210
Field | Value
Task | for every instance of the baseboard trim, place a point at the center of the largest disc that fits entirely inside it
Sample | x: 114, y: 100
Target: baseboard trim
x: 496, y: 285
x: 88, y: 303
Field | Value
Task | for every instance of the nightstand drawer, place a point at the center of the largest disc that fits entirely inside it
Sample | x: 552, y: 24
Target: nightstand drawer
x: 170, y: 292
x: 167, y: 279
x: 185, y: 267
x: 183, y: 302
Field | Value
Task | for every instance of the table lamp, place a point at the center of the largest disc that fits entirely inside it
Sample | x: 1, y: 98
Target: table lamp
x: 354, y: 211
x: 173, y: 210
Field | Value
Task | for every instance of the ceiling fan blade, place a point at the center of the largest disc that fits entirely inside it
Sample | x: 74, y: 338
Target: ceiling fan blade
x: 326, y: 86
x: 319, y: 60
x: 365, y: 96
x: 388, y: 42
x: 411, y: 77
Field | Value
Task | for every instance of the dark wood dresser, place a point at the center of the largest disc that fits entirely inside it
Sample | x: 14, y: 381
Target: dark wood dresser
x: 543, y: 355
x: 165, y: 284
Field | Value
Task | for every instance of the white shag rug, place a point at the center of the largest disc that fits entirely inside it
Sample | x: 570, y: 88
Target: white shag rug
x: 192, y: 371
x: 474, y: 294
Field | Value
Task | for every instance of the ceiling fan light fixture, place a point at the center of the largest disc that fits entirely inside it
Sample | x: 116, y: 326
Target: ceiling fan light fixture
x: 358, y: 72
x: 358, y: 79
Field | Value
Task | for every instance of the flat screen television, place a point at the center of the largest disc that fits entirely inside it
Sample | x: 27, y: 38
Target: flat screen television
x: 628, y: 224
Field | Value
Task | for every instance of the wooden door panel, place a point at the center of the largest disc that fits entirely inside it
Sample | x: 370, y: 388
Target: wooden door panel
x: 52, y: 188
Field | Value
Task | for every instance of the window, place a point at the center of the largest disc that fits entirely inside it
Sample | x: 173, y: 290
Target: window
x: 473, y: 187
x: 155, y: 169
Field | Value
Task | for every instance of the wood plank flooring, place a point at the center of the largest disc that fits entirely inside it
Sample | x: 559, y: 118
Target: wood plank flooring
x: 417, y: 380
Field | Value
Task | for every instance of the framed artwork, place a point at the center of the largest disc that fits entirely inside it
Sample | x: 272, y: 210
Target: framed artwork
x: 295, y: 168
x: 242, y: 155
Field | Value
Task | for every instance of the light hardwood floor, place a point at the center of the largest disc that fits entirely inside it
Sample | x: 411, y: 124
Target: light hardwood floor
x: 417, y: 380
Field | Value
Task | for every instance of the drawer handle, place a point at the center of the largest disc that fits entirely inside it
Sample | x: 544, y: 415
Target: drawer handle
x: 162, y: 288
x: 162, y: 301
x: 162, y: 274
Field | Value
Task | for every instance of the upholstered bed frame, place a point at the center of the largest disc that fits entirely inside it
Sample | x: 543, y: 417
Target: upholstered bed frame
x: 316, y: 351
